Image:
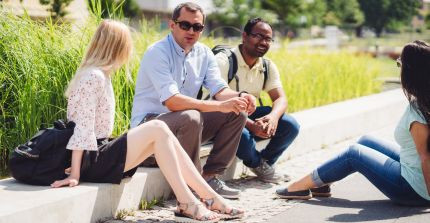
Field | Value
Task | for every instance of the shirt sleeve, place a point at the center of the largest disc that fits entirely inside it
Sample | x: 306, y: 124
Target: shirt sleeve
x: 213, y: 81
x: 415, y: 116
x: 155, y: 65
x: 81, y: 107
x: 223, y: 65
x: 273, y: 79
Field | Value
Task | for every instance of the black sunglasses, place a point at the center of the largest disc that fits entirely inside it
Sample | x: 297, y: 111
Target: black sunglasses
x: 185, y: 25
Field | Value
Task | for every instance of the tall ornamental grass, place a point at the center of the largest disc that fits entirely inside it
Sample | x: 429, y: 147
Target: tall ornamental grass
x: 313, y: 78
x: 37, y: 59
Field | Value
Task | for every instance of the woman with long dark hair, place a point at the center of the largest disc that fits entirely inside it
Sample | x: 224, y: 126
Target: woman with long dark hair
x: 401, y: 171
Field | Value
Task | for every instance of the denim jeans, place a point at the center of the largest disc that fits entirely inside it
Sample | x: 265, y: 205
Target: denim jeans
x: 379, y: 162
x: 287, y: 130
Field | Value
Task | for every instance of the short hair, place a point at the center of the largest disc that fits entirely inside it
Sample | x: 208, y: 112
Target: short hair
x: 252, y: 22
x: 189, y: 6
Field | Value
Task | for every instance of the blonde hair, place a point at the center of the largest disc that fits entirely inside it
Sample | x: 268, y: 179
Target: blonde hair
x: 110, y: 48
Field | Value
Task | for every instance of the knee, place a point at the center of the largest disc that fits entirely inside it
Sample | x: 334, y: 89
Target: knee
x: 289, y: 125
x: 353, y: 151
x: 192, y: 119
x: 364, y: 140
x: 158, y: 129
x: 242, y: 117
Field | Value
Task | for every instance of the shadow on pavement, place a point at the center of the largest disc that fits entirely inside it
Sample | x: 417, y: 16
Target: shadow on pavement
x: 371, y: 210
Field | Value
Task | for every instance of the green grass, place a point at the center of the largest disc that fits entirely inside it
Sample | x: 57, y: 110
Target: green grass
x: 148, y: 205
x: 38, y: 59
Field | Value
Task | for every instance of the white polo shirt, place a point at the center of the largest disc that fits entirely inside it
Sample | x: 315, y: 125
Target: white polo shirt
x: 251, y: 80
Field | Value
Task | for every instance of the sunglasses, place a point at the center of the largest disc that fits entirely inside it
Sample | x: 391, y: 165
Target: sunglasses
x: 399, y: 62
x: 184, y: 25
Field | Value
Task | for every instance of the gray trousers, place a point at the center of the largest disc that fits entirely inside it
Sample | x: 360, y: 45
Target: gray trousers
x: 192, y: 128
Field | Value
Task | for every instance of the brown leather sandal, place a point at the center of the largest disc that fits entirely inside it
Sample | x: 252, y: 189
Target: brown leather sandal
x: 182, y: 216
x: 234, y: 213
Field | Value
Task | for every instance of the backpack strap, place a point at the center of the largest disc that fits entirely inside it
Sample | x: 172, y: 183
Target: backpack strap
x: 266, y: 70
x: 266, y: 67
x: 232, y: 70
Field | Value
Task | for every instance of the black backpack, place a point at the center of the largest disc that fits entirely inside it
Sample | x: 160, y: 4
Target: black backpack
x: 232, y: 69
x: 43, y: 159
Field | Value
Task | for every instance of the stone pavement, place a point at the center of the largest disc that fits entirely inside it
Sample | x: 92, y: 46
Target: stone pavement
x: 354, y: 199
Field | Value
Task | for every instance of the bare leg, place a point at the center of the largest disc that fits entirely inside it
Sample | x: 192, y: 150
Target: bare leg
x: 154, y: 137
x: 195, y: 180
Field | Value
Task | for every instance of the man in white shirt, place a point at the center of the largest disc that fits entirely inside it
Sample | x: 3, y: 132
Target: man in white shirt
x: 254, y: 74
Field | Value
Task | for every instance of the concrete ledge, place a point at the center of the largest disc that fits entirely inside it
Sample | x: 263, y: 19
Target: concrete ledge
x: 90, y: 202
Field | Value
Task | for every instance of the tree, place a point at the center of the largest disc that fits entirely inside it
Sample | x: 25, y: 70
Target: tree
x: 290, y: 13
x: 315, y: 11
x: 347, y: 12
x: 380, y: 14
x: 127, y: 8
x: 237, y: 12
x: 57, y: 7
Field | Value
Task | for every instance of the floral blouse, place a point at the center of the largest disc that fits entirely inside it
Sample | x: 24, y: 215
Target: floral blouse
x: 91, y: 105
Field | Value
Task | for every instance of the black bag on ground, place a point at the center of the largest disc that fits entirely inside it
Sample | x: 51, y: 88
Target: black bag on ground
x: 43, y: 159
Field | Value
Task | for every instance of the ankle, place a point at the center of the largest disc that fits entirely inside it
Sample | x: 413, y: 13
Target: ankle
x: 294, y: 187
x: 207, y: 177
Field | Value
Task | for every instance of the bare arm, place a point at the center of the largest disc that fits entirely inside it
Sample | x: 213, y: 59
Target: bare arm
x: 270, y: 121
x: 73, y: 179
x: 179, y: 102
x: 420, y: 134
x: 227, y: 93
x: 279, y: 102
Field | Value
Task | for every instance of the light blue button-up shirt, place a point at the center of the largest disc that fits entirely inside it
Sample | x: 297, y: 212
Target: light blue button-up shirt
x: 166, y: 70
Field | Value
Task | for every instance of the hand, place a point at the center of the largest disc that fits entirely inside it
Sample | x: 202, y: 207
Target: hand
x: 271, y: 124
x: 257, y: 128
x: 251, y: 102
x: 236, y: 105
x: 70, y: 181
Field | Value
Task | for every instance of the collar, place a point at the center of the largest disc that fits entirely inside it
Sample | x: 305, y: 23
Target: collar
x: 241, y: 62
x: 178, y: 49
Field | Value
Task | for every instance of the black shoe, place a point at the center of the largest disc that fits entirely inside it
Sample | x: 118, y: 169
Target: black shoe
x: 300, y: 195
x: 323, y: 191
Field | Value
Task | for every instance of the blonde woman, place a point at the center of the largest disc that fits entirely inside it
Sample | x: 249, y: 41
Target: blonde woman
x: 97, y: 158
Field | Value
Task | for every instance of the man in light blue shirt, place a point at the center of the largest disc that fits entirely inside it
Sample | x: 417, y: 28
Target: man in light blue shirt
x: 171, y: 74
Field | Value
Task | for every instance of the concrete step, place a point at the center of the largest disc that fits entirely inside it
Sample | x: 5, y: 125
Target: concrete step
x: 89, y: 202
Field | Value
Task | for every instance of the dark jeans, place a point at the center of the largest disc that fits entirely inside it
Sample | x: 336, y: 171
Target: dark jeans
x: 379, y: 162
x: 287, y: 130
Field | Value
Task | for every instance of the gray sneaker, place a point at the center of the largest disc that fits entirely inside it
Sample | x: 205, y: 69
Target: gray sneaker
x: 222, y: 189
x: 266, y: 173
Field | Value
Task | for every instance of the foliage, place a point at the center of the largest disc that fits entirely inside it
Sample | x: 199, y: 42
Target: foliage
x: 380, y: 14
x: 334, y: 12
x: 56, y: 7
x: 148, y: 205
x: 126, y: 8
x: 346, y: 11
x: 289, y: 12
x: 123, y: 213
x: 36, y: 62
x: 237, y: 12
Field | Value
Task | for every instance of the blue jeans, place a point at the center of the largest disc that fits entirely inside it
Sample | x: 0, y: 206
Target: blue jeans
x: 379, y: 162
x: 287, y: 130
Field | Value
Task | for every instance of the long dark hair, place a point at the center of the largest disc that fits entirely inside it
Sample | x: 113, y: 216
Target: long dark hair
x: 415, y: 78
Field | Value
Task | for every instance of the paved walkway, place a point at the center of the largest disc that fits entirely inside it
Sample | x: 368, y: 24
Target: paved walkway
x: 354, y: 199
